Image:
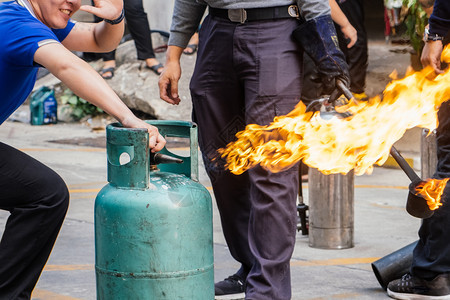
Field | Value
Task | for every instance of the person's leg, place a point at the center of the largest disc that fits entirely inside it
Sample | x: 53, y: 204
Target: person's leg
x: 140, y: 31
x: 109, y: 58
x: 270, y: 65
x: 37, y: 199
x: 93, y: 56
x: 218, y: 109
x: 432, y: 253
x: 192, y: 45
x: 357, y: 56
x: 229, y: 67
x: 109, y: 64
x: 429, y: 276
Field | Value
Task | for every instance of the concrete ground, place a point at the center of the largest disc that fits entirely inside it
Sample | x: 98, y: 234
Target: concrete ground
x: 381, y: 222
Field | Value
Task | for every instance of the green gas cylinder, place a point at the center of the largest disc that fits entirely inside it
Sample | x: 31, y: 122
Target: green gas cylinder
x: 153, y: 224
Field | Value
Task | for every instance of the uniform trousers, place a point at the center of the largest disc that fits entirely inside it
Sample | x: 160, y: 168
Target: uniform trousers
x: 37, y: 199
x: 431, y: 256
x: 249, y: 73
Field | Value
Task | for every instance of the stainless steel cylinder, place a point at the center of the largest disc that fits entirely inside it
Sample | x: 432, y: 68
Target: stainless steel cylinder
x: 394, y: 265
x: 331, y: 213
x: 428, y: 154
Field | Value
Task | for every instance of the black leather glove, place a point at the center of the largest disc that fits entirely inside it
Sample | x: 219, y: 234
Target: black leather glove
x: 319, y: 40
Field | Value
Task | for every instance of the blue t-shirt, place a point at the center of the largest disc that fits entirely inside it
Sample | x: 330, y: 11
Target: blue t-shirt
x: 22, y: 35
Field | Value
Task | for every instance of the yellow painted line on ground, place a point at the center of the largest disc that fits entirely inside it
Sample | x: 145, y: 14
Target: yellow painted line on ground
x: 93, y: 149
x: 209, y: 188
x: 179, y: 148
x: 372, y: 186
x: 74, y: 191
x: 360, y: 186
x: 319, y: 263
x: 47, y: 295
x: 69, y: 267
x: 90, y: 196
x: 86, y: 184
x: 387, y: 206
x: 334, y: 262
x: 338, y: 296
x: 294, y: 263
x: 62, y: 150
x: 368, y: 186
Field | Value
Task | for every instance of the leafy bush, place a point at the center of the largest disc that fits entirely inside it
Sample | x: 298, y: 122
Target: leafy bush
x: 415, y: 22
x: 80, y: 107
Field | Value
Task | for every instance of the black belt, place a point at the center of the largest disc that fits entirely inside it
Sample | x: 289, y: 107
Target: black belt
x: 242, y: 15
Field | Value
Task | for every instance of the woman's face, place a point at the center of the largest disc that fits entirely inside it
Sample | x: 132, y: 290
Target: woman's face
x: 55, y: 13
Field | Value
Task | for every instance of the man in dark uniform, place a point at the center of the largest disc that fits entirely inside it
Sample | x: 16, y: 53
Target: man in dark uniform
x: 249, y: 70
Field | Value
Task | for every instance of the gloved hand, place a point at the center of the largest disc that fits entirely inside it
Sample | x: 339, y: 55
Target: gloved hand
x: 319, y: 40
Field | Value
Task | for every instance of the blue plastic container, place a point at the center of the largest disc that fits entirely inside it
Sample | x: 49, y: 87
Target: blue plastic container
x: 43, y: 107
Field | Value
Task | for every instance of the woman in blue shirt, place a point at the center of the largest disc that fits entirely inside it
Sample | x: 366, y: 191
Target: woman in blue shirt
x: 40, y: 33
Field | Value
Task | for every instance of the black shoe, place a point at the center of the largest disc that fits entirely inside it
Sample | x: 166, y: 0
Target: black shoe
x: 232, y: 287
x: 410, y: 287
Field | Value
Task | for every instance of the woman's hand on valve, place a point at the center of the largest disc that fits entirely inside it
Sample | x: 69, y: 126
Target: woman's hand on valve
x: 156, y: 140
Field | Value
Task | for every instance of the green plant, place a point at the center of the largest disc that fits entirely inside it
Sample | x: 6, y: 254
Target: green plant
x: 415, y: 21
x: 80, y: 107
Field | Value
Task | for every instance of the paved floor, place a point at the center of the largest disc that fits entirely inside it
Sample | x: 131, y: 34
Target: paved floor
x: 381, y: 224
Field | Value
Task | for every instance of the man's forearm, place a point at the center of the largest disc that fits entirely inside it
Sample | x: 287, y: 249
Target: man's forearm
x: 337, y: 15
x: 173, y: 54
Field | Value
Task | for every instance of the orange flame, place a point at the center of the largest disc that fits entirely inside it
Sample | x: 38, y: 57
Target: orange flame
x: 431, y: 191
x: 338, y: 145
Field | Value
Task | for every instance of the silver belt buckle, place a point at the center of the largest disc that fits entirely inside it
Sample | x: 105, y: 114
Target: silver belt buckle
x: 238, y: 15
x: 293, y: 11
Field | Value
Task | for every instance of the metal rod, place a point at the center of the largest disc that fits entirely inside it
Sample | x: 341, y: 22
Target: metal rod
x: 404, y: 165
x: 345, y: 90
x: 301, y: 206
x: 159, y: 158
